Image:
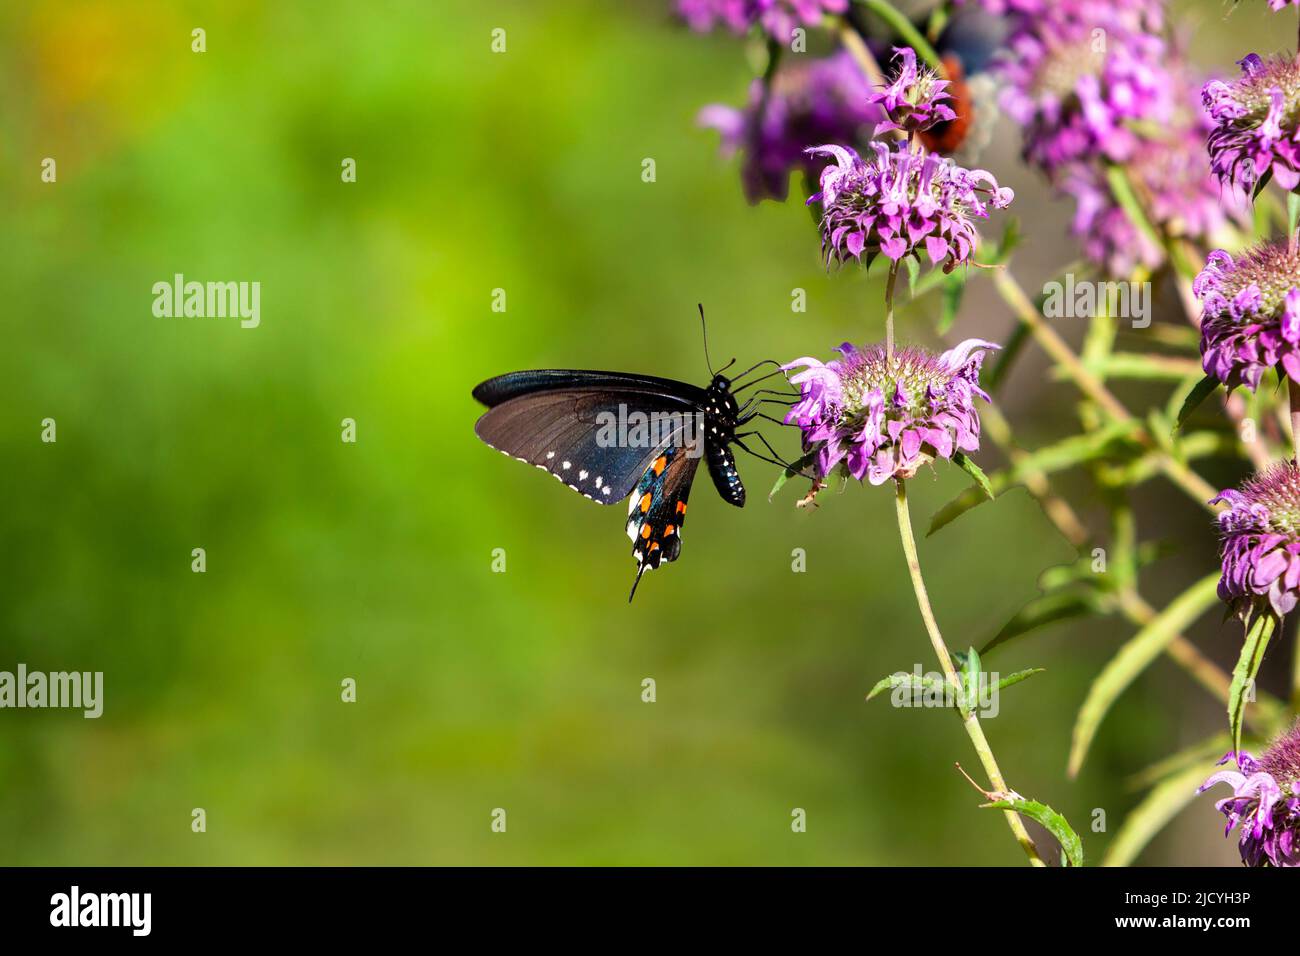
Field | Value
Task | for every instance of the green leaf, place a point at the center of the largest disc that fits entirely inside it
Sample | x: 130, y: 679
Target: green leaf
x: 1199, y: 393
x: 1044, y: 610
x: 1041, y: 813
x: 1153, y: 812
x: 1292, y: 213
x: 904, y: 679
x: 1243, y: 675
x: 795, y: 468
x: 970, y: 678
x: 913, y: 273
x: 965, y: 464
x: 1017, y: 676
x: 954, y: 286
x: 1133, y: 658
x: 1002, y: 363
x: 1142, y: 367
x: 1262, y: 182
x: 964, y: 502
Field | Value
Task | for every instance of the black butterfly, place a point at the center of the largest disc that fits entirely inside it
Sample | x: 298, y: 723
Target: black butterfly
x: 584, y: 428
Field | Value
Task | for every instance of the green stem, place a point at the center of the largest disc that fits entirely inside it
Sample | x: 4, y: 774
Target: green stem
x: 970, y: 720
x: 908, y: 31
x: 889, y: 310
x: 1293, y: 397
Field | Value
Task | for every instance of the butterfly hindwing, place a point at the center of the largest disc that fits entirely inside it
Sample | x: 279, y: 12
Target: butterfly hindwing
x: 657, y: 509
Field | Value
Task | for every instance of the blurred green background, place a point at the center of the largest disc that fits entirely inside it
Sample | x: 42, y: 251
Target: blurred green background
x: 372, y: 560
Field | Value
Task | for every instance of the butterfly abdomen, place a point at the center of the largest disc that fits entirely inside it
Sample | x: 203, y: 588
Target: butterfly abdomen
x: 722, y: 467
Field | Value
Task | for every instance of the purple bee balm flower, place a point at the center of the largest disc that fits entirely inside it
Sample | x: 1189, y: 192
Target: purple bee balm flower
x: 1265, y: 802
x: 900, y: 202
x: 1255, y: 117
x: 1079, y: 73
x: 812, y: 101
x: 1251, y: 318
x: 879, y: 418
x: 1261, y: 543
x: 913, y: 100
x: 777, y: 17
x: 1181, y: 197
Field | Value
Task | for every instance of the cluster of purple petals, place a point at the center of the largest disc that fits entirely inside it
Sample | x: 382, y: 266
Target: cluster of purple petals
x: 1133, y: 101
x: 1181, y: 198
x: 881, y: 417
x: 1261, y: 546
x: 1265, y: 802
x: 778, y: 18
x: 901, y: 201
x: 1079, y: 73
x: 1251, y: 314
x: 1255, y: 123
x: 914, y: 99
x: 812, y: 101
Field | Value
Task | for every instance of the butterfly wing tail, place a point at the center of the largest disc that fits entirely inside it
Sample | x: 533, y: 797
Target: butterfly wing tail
x: 639, y: 571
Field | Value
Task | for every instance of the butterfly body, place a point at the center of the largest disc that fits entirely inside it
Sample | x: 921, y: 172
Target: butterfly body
x: 616, y: 435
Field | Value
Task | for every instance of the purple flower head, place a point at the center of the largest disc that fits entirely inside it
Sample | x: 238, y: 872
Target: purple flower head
x: 1255, y: 123
x: 1079, y: 73
x: 1276, y: 5
x: 778, y: 18
x: 1181, y: 196
x: 881, y: 418
x: 914, y: 99
x: 813, y: 101
x: 1265, y: 802
x: 900, y: 202
x: 1261, y: 543
x: 1251, y: 318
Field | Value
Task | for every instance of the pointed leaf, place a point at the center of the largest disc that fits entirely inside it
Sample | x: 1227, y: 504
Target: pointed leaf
x: 963, y: 461
x: 1046, y: 610
x: 904, y: 679
x: 1199, y: 393
x: 954, y: 287
x: 1017, y: 676
x: 1243, y: 675
x: 1044, y: 815
x: 794, y: 469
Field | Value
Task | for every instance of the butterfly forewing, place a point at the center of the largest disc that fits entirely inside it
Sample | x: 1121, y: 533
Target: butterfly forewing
x: 558, y: 431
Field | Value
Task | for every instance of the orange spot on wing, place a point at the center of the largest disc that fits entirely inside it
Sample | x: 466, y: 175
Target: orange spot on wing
x: 681, y: 507
x: 645, y: 531
x: 654, y: 546
x: 659, y: 465
x: 645, y: 502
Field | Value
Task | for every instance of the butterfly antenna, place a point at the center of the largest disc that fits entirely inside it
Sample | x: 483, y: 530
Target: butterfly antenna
x: 639, y: 571
x: 705, y: 328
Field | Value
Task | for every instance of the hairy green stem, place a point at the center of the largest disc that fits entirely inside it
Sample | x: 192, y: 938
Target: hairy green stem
x: 970, y: 720
x: 889, y: 310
